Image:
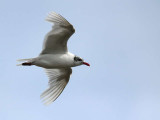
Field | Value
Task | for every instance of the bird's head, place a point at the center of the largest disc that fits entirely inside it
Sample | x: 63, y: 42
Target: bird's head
x: 80, y: 61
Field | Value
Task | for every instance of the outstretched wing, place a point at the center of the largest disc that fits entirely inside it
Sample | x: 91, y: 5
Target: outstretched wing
x: 58, y: 79
x: 56, y: 40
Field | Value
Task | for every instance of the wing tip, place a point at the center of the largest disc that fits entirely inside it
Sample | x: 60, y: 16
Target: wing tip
x: 51, y: 94
x: 54, y: 17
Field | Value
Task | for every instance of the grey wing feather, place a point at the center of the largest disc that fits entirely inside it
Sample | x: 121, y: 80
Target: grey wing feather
x: 57, y: 19
x: 58, y: 79
x: 56, y: 40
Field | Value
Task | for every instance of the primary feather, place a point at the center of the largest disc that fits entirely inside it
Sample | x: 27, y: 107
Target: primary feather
x: 57, y: 19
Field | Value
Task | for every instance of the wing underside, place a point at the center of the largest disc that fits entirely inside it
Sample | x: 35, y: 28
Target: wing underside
x: 56, y: 40
x: 58, y: 79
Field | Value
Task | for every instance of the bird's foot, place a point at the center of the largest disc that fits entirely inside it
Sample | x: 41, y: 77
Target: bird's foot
x: 27, y: 64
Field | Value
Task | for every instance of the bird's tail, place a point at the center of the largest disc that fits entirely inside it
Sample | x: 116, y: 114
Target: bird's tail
x: 25, y: 62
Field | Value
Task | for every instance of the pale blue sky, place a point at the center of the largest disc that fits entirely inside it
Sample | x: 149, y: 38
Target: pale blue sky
x: 119, y: 38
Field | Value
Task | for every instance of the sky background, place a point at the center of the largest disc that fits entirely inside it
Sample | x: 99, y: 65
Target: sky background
x: 119, y: 38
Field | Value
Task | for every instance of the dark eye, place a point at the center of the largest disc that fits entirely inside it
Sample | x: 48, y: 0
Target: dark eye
x: 77, y: 59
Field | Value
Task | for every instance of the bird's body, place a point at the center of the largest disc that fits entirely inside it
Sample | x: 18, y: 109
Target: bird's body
x: 55, y: 58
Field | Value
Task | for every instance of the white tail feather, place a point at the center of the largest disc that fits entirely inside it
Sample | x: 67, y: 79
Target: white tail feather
x: 19, y: 64
x: 24, y: 60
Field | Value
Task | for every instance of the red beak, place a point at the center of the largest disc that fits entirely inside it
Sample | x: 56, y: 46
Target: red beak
x: 86, y: 63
